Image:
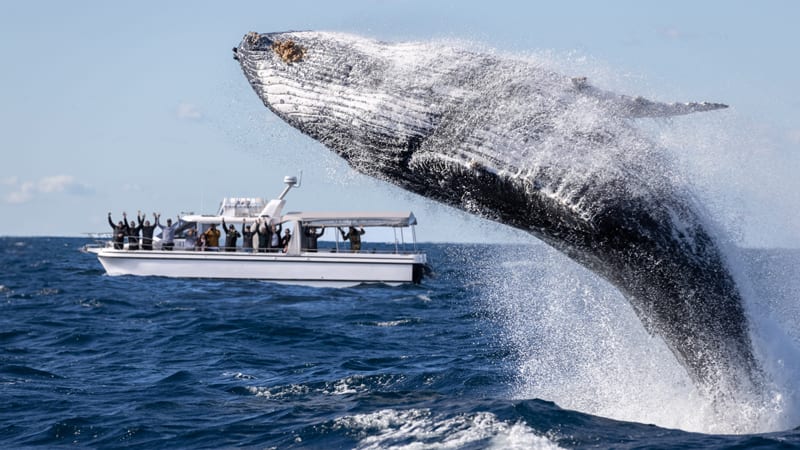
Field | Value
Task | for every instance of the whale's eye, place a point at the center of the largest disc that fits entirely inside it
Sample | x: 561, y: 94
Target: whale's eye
x: 289, y: 51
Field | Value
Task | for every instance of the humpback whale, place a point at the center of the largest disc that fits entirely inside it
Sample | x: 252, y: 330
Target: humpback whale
x: 508, y: 139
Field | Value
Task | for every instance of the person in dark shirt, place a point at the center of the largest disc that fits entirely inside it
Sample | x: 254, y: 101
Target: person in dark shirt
x: 231, y: 235
x: 133, y: 233
x: 147, y: 232
x: 247, y: 236
x: 312, y: 236
x: 285, y: 239
x: 119, y: 233
x: 263, y: 230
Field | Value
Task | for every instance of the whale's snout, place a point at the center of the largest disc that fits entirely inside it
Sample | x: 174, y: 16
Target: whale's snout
x: 256, y: 40
x: 252, y: 41
x: 287, y: 49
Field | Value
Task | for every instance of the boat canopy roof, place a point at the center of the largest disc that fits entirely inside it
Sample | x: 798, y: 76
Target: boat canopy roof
x: 353, y: 219
x: 321, y: 219
x: 209, y: 219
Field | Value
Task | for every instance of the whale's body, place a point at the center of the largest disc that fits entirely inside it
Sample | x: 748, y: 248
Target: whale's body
x: 511, y: 141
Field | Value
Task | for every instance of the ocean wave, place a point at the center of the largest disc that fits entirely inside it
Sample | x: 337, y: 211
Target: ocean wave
x: 421, y: 429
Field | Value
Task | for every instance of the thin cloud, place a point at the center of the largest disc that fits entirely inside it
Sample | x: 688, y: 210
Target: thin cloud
x: 57, y: 183
x: 189, y: 111
x: 10, y: 181
x: 22, y: 193
x: 25, y: 191
x: 675, y: 34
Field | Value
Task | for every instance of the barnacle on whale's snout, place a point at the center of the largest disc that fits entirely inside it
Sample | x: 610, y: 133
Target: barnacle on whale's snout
x: 289, y: 51
x: 252, y: 38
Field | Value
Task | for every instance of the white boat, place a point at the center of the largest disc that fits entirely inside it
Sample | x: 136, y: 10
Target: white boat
x: 332, y: 264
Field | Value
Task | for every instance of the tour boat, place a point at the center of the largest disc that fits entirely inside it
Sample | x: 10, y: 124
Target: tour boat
x: 332, y: 263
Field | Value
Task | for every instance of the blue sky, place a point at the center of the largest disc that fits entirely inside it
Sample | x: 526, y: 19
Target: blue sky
x: 108, y: 106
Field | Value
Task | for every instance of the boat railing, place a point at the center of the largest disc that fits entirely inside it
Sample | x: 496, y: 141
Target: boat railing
x: 390, y: 250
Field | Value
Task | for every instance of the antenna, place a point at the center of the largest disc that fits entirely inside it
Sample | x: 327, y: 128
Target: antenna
x: 290, y: 181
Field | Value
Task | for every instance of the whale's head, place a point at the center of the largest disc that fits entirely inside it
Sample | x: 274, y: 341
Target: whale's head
x: 338, y: 91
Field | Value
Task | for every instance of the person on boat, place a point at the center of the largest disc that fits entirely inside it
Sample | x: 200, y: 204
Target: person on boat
x: 191, y: 238
x: 274, y: 237
x: 354, y: 235
x: 287, y: 236
x: 147, y: 232
x: 231, y: 235
x: 202, y: 244
x: 167, y: 233
x: 312, y: 236
x: 212, y: 238
x: 262, y: 233
x: 247, y: 235
x: 119, y: 233
x: 133, y: 232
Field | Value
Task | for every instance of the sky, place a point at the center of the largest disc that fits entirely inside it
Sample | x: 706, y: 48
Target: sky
x: 112, y: 107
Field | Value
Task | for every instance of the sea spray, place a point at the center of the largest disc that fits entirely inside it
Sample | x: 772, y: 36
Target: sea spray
x: 740, y: 171
x: 577, y: 342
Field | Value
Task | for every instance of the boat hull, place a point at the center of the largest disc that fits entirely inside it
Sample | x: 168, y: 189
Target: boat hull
x: 313, y: 269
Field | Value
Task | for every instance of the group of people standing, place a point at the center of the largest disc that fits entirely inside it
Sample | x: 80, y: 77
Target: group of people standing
x: 263, y: 236
x: 144, y: 231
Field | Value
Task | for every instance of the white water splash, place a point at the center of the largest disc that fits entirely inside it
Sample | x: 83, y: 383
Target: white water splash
x: 420, y: 429
x: 578, y: 342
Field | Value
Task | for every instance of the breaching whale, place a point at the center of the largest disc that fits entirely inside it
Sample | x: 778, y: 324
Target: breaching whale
x: 507, y: 139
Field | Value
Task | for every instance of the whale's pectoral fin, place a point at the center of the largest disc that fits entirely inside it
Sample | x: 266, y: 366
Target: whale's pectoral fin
x: 636, y: 107
x: 641, y: 107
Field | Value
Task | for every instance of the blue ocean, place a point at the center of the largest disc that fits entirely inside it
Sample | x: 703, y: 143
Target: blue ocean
x: 500, y: 347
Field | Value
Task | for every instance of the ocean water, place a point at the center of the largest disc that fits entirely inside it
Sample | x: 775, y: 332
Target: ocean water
x: 490, y: 351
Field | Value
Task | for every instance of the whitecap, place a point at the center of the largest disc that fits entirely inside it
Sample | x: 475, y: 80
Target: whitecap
x: 420, y: 429
x: 393, y: 323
